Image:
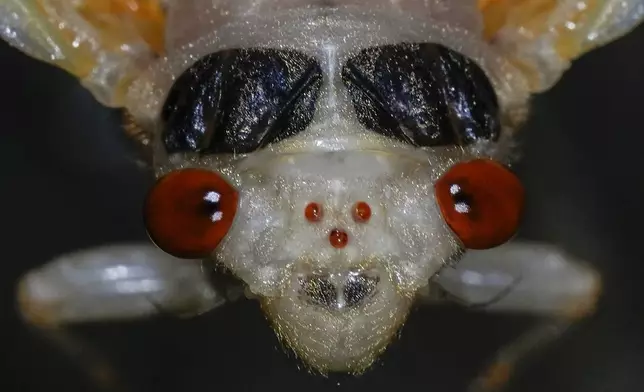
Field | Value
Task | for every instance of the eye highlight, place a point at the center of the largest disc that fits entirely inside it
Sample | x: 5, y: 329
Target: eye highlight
x: 482, y: 202
x: 361, y: 212
x: 189, y: 212
x: 313, y: 212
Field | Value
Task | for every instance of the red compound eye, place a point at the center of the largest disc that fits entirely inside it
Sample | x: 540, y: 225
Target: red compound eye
x: 313, y: 212
x: 189, y: 212
x: 361, y: 212
x: 482, y: 202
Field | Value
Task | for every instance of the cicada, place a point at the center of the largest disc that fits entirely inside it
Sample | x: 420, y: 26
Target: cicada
x: 340, y: 159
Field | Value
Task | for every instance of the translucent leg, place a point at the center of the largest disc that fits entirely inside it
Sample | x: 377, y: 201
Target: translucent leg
x: 520, y: 278
x: 107, y: 284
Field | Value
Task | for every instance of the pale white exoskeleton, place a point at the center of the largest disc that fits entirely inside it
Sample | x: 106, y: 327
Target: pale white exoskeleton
x: 338, y: 224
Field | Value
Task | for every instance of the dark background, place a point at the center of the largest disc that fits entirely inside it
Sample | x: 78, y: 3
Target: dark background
x: 69, y: 180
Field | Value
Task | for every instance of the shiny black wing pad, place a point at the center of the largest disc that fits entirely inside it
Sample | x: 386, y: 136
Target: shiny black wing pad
x: 424, y: 94
x: 240, y: 100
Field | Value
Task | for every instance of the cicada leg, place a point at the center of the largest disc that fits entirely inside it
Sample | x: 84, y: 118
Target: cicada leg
x: 521, y: 278
x: 107, y: 284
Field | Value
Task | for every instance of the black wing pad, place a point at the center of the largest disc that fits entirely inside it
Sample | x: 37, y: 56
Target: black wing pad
x: 240, y: 100
x: 423, y: 94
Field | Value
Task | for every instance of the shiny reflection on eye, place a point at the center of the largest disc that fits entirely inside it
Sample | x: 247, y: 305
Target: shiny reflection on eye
x: 462, y: 202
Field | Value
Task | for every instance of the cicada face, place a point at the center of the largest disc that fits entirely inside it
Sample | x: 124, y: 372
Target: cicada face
x: 334, y: 159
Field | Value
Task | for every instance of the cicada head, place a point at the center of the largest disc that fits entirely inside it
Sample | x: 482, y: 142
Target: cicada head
x: 334, y: 156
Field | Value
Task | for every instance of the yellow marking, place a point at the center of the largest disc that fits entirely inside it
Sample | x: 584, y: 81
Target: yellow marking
x: 33, y: 312
x: 572, y: 33
x: 110, y: 16
x: 528, y: 16
x: 586, y: 307
x: 497, y: 376
x: 85, y: 31
x: 533, y: 18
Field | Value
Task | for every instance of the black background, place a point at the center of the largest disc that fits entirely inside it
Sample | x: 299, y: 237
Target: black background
x: 69, y: 180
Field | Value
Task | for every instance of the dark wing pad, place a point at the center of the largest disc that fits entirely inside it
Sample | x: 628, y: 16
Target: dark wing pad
x: 240, y: 100
x: 424, y: 94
